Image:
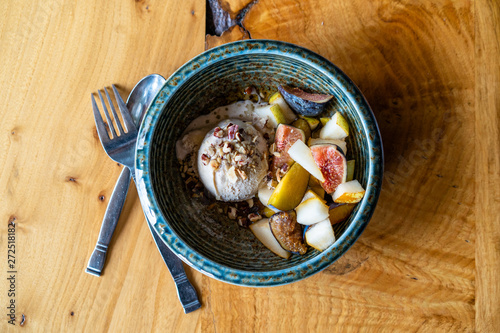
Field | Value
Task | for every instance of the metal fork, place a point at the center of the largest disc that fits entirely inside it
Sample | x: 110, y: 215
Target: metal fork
x: 121, y: 149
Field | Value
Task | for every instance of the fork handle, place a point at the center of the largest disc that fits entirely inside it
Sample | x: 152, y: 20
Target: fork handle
x: 185, y: 290
x: 115, y: 206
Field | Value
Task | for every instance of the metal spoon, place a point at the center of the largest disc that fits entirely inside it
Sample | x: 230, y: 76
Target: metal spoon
x: 138, y: 102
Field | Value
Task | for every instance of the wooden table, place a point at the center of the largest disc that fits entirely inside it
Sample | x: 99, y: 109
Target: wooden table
x: 428, y: 261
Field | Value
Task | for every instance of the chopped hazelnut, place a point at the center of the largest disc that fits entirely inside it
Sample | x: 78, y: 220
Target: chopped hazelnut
x: 231, y: 175
x: 227, y: 148
x: 211, y: 150
x: 250, y: 203
x: 218, y: 132
x: 243, y: 222
x: 214, y: 164
x: 231, y: 131
x: 205, y: 159
x: 254, y: 217
x: 242, y: 174
x: 232, y: 213
x: 272, y: 148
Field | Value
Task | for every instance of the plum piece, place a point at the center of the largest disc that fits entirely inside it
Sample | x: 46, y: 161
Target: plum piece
x: 288, y: 232
x: 304, y: 103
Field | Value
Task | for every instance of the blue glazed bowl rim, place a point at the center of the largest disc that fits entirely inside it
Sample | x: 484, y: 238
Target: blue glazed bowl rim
x: 259, y: 278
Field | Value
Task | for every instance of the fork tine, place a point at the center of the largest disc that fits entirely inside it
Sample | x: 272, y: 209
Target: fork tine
x: 127, y: 118
x: 101, y: 129
x: 118, y: 123
x: 108, y: 118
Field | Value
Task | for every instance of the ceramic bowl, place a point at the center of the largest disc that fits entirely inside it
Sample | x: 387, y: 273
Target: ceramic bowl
x: 205, y: 239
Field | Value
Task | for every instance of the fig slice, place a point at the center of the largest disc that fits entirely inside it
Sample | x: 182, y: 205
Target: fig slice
x: 304, y: 103
x: 285, y: 137
x: 288, y: 232
x: 263, y: 233
x: 332, y: 164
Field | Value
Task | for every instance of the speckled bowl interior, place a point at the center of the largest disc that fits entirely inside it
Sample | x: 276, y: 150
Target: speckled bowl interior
x: 205, y: 239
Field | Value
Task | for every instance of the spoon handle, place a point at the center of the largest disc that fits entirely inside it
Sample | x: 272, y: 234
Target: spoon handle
x: 185, y: 290
x: 115, y: 206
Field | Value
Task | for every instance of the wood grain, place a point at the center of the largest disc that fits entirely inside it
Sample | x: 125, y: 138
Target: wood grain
x: 232, y: 34
x: 413, y: 268
x: 53, y: 169
x: 487, y: 147
x: 428, y: 261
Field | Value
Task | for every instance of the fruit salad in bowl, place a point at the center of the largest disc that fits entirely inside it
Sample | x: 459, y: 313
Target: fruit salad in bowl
x: 281, y: 158
x: 259, y: 163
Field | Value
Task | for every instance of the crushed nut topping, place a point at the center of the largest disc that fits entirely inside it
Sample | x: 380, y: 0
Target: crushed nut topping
x: 272, y: 148
x: 254, y: 217
x: 250, y: 203
x: 227, y: 148
x: 214, y: 164
x: 205, y: 159
x: 243, y: 222
x: 231, y: 213
x: 231, y: 175
x: 218, y: 132
x: 231, y: 131
x: 242, y: 174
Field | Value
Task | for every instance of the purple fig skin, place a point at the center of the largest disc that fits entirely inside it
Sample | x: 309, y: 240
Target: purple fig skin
x: 304, y: 103
x: 335, y: 205
x: 331, y: 144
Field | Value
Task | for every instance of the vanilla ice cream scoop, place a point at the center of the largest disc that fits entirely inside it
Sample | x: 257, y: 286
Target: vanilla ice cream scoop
x: 232, y: 160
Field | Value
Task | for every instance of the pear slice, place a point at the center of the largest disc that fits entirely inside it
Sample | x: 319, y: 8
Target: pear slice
x: 273, y: 113
x: 262, y: 231
x: 290, y: 189
x: 324, y: 120
x: 301, y: 154
x: 313, y: 122
x: 311, y: 194
x: 340, y: 212
x: 340, y: 143
x: 312, y: 211
x: 349, y: 192
x: 264, y: 194
x: 320, y: 235
x: 268, y: 212
x: 336, y: 128
x: 350, y: 170
x: 276, y: 98
x: 320, y: 191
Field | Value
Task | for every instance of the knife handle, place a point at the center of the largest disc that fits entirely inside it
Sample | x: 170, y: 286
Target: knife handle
x: 115, y: 206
